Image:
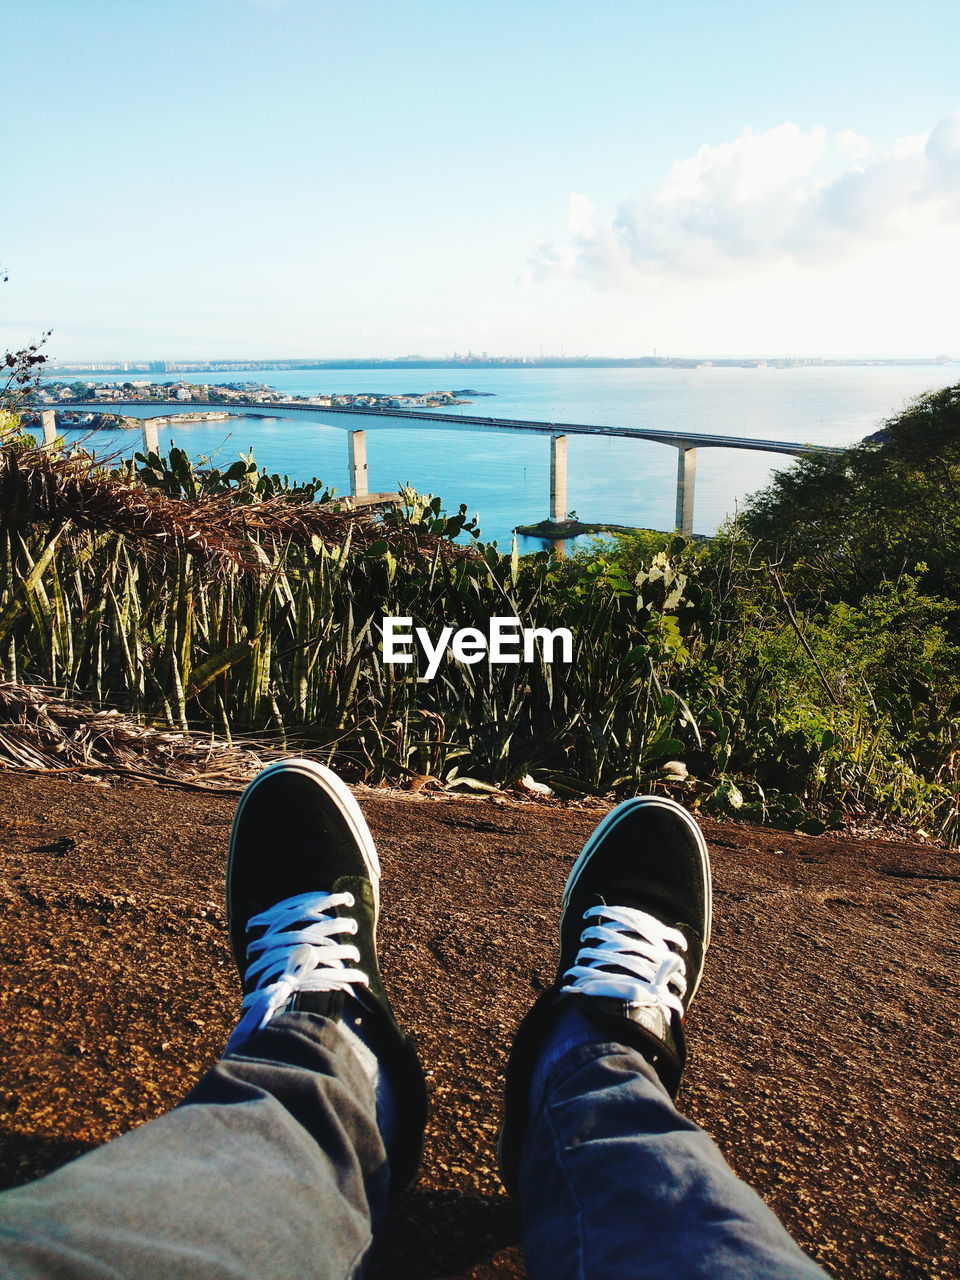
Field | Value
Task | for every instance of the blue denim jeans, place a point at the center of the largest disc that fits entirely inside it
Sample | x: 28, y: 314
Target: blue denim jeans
x: 273, y: 1168
x: 615, y: 1182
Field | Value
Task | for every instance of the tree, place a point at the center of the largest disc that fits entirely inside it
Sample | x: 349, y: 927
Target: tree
x: 844, y: 524
x: 20, y: 376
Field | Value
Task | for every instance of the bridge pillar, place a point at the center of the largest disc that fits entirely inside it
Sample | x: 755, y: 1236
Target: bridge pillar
x: 686, y: 485
x: 558, y: 478
x: 151, y: 437
x: 358, y: 464
x: 49, y: 420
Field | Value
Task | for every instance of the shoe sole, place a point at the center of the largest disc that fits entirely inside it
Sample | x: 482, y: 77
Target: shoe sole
x: 613, y: 818
x: 342, y: 797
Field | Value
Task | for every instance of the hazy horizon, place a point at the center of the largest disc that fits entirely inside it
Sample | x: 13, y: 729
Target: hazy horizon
x: 280, y: 360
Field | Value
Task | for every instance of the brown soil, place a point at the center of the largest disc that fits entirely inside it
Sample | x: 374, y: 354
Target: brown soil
x: 824, y: 1059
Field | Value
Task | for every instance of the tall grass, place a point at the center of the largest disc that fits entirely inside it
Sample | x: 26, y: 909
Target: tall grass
x: 279, y: 631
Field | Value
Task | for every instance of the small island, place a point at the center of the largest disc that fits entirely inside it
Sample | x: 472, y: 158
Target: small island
x: 559, y: 530
x: 556, y: 530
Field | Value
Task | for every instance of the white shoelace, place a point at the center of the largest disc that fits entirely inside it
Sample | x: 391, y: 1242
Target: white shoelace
x: 627, y: 956
x: 293, y: 955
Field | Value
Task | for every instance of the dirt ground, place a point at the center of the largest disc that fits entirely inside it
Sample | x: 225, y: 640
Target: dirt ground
x: 824, y: 1058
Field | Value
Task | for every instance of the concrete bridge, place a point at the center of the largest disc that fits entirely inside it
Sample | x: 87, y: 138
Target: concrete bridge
x: 357, y: 421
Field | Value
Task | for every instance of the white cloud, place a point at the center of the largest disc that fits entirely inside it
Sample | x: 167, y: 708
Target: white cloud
x: 580, y: 213
x: 853, y: 144
x: 783, y: 197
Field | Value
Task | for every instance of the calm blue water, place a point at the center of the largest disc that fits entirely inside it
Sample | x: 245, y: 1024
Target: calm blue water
x: 505, y: 479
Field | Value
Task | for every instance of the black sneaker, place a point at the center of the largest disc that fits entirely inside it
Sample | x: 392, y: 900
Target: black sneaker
x: 303, y: 897
x: 634, y: 929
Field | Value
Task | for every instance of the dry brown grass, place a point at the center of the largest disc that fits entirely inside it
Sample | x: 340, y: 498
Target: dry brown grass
x: 41, y: 732
x: 54, y: 489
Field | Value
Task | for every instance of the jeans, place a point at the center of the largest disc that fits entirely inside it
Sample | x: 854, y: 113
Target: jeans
x: 273, y: 1168
x: 615, y: 1182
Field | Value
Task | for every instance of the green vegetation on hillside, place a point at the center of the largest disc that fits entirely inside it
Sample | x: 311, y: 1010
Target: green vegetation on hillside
x: 845, y: 524
x: 801, y: 665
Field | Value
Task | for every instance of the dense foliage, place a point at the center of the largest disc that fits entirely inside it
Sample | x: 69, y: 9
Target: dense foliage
x: 847, y: 523
x: 866, y: 584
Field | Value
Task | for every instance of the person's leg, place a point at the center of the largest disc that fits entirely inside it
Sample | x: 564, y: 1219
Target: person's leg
x: 273, y: 1167
x: 280, y: 1162
x: 612, y: 1180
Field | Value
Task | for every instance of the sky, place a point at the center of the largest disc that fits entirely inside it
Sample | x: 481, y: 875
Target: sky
x: 326, y: 178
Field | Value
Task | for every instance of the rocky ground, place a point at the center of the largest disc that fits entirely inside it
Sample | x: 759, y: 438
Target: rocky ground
x: 824, y: 1053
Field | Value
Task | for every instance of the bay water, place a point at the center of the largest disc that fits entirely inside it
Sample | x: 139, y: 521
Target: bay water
x: 504, y: 477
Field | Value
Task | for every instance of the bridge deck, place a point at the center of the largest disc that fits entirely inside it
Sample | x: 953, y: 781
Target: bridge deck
x: 393, y: 417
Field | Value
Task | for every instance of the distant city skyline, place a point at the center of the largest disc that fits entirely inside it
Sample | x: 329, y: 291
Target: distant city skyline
x: 711, y: 179
x: 252, y: 364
